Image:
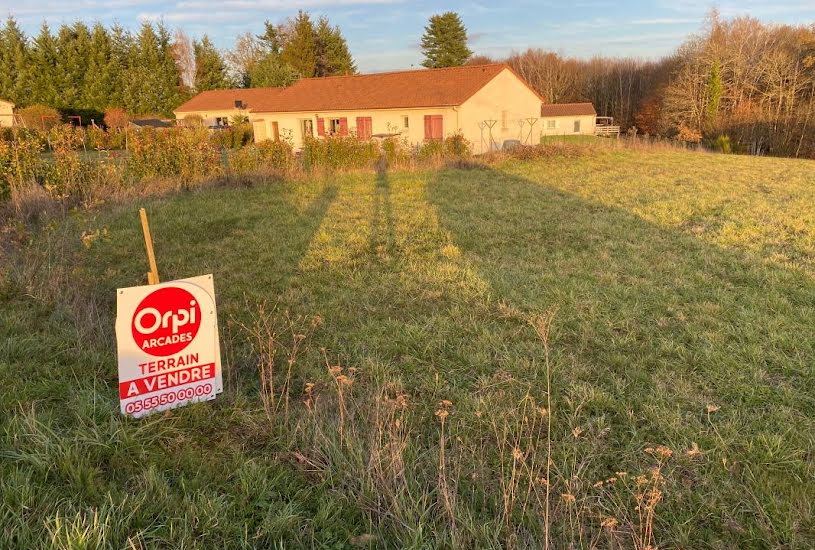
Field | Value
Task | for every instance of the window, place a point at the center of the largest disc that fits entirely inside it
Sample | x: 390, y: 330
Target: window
x: 334, y: 125
x: 307, y: 127
x: 576, y: 126
x: 222, y: 121
x: 405, y: 121
x: 504, y: 120
x: 551, y: 124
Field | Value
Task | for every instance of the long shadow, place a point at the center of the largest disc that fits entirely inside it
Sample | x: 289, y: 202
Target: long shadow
x: 651, y: 326
x: 382, y: 239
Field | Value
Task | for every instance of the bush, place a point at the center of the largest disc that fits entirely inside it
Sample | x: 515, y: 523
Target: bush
x: 174, y: 152
x: 40, y: 117
x: 116, y: 118
x: 339, y: 152
x: 276, y: 156
x: 20, y: 162
x: 722, y: 144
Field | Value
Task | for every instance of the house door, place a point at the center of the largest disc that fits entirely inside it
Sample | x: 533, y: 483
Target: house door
x: 576, y: 126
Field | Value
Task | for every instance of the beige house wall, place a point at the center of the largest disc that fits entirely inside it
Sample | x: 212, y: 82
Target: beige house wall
x: 6, y: 114
x: 210, y: 116
x: 564, y: 125
x: 383, y: 121
x: 507, y: 100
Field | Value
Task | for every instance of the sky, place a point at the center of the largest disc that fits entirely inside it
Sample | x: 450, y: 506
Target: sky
x: 385, y: 34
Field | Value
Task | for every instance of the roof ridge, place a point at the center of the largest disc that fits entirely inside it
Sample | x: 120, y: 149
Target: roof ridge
x: 403, y: 71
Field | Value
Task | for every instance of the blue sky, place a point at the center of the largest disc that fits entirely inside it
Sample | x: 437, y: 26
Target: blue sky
x: 385, y: 34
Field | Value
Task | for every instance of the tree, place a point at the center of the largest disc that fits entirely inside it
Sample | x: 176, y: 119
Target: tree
x: 444, y: 42
x: 210, y: 68
x: 102, y: 74
x: 44, y: 59
x: 41, y: 117
x: 333, y: 55
x: 15, y: 76
x: 300, y: 48
x: 184, y: 56
x: 714, y: 94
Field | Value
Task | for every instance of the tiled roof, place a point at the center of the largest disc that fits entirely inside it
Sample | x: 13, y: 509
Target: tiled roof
x: 224, y: 100
x: 403, y: 89
x: 567, y: 109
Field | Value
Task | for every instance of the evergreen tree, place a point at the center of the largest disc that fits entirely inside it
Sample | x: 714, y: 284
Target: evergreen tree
x: 152, y: 82
x: 444, y: 42
x: 73, y: 50
x: 333, y: 55
x: 14, y: 59
x: 121, y: 48
x: 101, y: 77
x: 714, y: 94
x: 300, y: 48
x: 210, y: 69
x: 269, y: 68
x: 43, y: 74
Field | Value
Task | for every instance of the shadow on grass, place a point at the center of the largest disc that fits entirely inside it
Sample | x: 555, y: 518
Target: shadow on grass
x: 652, y: 325
x: 382, y: 238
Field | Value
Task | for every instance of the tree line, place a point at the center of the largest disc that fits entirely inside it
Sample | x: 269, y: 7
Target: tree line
x: 739, y: 84
x: 86, y: 70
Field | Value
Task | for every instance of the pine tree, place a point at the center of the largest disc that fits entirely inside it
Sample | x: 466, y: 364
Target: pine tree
x: 101, y: 76
x: 444, y: 42
x: 714, y: 94
x: 73, y: 50
x: 43, y: 73
x: 210, y: 69
x: 333, y: 55
x: 14, y: 58
x: 300, y: 48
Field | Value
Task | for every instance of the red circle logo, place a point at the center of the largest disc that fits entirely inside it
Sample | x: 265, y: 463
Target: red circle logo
x: 166, y: 321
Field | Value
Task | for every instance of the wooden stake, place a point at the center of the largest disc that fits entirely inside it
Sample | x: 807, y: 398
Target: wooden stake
x: 152, y: 275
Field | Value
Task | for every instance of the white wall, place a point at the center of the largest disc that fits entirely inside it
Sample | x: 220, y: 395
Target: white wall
x: 564, y: 125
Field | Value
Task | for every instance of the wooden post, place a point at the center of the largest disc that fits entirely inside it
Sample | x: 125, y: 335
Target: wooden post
x: 152, y: 275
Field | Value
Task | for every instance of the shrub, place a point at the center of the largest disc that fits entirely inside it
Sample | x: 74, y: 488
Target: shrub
x: 175, y: 152
x: 20, y: 162
x: 688, y: 135
x: 339, y: 152
x: 276, y: 156
x: 722, y: 145
x: 40, y: 117
x: 116, y: 118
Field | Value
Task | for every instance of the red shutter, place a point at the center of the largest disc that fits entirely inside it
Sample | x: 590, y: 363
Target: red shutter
x: 364, y: 127
x: 428, y: 127
x: 343, y: 126
x: 320, y: 126
x: 438, y: 127
x: 276, y: 131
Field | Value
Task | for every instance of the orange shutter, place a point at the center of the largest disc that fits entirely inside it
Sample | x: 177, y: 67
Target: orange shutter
x: 275, y: 131
x: 343, y: 126
x: 364, y: 126
x: 320, y: 126
x: 428, y: 127
x: 438, y: 127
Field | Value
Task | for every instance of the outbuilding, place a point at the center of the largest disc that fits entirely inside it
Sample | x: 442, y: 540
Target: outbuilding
x: 6, y: 113
x: 568, y: 119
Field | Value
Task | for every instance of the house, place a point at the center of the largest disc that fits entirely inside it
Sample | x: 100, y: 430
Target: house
x: 217, y: 108
x: 487, y: 104
x: 142, y: 123
x: 568, y: 119
x: 6, y: 113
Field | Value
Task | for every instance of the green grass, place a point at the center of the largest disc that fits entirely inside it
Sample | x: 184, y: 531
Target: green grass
x: 677, y: 281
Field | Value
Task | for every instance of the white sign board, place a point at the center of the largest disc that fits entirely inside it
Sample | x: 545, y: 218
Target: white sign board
x: 167, y: 337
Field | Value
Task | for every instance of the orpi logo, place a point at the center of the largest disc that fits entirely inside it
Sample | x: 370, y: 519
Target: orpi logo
x: 166, y: 321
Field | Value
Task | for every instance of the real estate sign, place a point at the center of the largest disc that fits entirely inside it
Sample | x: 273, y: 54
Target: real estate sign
x: 167, y: 337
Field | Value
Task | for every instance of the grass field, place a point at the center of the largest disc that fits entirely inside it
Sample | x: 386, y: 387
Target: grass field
x: 680, y: 288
